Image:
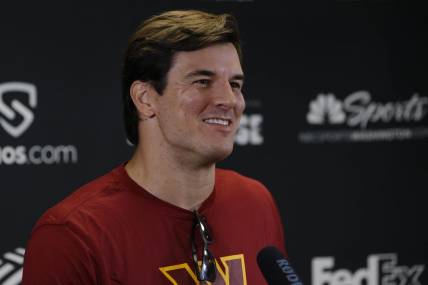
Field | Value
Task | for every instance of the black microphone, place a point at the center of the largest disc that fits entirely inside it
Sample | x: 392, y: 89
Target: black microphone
x: 275, y: 267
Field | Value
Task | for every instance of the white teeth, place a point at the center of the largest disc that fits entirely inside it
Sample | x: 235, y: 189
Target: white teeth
x: 217, y: 121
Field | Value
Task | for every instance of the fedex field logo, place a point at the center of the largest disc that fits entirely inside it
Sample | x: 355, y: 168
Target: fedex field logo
x: 381, y: 269
x: 28, y: 93
x: 358, y: 110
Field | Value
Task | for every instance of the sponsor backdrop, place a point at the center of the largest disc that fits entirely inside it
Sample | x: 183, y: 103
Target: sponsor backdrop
x: 336, y: 124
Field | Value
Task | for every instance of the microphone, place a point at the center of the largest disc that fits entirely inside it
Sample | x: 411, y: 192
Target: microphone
x: 275, y: 267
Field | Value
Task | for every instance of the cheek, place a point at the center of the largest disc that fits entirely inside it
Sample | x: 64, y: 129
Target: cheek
x: 192, y: 105
x: 240, y: 106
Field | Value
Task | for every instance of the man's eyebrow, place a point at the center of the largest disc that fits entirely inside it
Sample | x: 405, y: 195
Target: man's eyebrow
x: 238, y: 77
x: 199, y: 72
x: 205, y: 72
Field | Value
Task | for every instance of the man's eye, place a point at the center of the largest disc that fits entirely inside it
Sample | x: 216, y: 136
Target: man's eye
x: 235, y: 85
x: 202, y: 82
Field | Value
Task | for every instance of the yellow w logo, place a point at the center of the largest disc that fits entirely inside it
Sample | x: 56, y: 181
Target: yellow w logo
x: 233, y: 273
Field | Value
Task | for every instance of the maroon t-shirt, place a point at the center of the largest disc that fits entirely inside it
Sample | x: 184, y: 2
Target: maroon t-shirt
x: 112, y: 231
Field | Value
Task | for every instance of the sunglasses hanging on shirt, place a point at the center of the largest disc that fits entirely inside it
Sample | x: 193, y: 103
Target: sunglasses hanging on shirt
x: 206, y: 271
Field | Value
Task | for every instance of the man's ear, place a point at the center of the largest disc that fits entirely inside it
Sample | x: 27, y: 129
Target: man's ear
x: 141, y: 94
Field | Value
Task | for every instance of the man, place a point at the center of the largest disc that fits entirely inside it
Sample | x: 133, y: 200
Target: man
x: 167, y: 216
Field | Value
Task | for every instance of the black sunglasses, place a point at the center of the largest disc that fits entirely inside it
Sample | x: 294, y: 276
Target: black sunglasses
x: 207, y: 271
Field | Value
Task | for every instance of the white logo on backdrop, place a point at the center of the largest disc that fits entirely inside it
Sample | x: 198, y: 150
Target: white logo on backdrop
x: 381, y: 269
x: 359, y: 110
x: 18, y: 108
x: 11, y: 267
x: 13, y: 109
x: 326, y: 105
x: 250, y: 130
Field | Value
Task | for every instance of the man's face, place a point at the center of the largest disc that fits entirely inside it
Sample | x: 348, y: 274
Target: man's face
x: 199, y: 111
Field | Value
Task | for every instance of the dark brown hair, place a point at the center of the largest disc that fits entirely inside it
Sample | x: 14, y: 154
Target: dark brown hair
x: 152, y: 47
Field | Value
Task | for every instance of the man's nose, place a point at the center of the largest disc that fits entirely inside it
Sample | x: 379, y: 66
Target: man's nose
x: 225, y: 96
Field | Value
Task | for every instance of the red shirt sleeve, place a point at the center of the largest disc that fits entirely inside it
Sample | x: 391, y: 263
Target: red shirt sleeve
x: 56, y: 255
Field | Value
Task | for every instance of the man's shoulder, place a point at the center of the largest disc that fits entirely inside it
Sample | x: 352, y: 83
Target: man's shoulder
x: 80, y: 200
x: 234, y: 180
x: 251, y: 193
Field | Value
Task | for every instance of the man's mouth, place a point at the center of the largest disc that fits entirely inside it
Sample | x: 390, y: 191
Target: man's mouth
x: 218, y: 121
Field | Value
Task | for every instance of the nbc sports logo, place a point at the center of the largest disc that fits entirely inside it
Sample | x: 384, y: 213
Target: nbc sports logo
x: 359, y: 110
x: 325, y: 107
x: 394, y: 120
x: 17, y: 108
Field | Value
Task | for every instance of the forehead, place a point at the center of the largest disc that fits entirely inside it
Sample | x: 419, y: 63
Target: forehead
x: 218, y: 58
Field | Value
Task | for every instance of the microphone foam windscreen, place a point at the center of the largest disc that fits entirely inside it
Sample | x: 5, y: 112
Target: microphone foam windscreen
x: 276, y: 268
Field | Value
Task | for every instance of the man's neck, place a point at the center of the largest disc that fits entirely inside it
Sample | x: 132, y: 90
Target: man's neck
x: 171, y: 181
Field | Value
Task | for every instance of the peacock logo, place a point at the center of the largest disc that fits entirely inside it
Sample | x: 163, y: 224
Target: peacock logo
x: 326, y: 108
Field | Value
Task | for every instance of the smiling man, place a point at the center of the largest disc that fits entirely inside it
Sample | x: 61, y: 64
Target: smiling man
x: 168, y: 215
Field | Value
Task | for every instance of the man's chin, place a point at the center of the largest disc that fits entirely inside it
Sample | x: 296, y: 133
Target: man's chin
x: 219, y: 154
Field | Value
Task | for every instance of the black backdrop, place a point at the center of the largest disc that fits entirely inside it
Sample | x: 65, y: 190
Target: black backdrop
x: 336, y: 124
